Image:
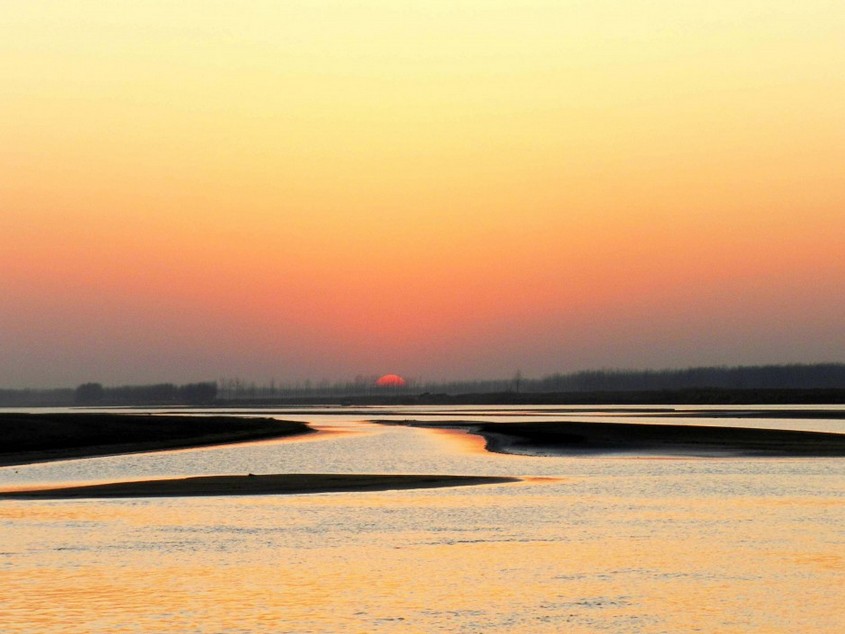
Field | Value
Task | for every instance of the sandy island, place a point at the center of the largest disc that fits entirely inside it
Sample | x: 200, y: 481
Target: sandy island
x: 28, y: 438
x: 572, y: 438
x: 287, y: 483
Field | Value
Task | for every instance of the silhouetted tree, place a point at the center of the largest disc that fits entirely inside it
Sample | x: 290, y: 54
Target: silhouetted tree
x: 89, y: 393
x: 198, y: 393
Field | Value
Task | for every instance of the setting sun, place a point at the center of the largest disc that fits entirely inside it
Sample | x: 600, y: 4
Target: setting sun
x: 307, y: 190
x: 390, y: 380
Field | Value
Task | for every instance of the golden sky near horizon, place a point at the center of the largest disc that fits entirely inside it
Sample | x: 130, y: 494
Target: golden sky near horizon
x: 439, y: 189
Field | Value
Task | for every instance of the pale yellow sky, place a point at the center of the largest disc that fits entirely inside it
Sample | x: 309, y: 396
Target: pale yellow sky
x: 442, y: 188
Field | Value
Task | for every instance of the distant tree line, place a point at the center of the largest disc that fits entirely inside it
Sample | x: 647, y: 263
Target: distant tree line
x: 156, y: 394
x: 794, y: 376
x: 36, y: 398
x: 361, y: 385
x: 819, y: 376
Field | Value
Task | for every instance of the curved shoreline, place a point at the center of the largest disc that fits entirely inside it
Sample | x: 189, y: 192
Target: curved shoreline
x: 32, y: 438
x: 590, y: 438
x: 275, y: 484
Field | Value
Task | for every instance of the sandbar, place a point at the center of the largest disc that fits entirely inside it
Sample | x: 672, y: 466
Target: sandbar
x: 568, y: 438
x: 28, y: 438
x: 275, y: 484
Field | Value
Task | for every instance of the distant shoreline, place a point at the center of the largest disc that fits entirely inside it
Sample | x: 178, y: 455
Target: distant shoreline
x: 404, y: 396
x: 687, y: 396
x: 275, y: 484
x: 31, y: 438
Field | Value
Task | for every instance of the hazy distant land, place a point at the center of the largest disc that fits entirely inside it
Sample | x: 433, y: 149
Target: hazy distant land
x: 28, y: 438
x: 816, y: 383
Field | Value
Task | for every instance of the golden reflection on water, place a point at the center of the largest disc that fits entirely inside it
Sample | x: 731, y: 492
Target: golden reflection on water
x: 460, y: 442
x: 598, y: 545
x: 281, y: 564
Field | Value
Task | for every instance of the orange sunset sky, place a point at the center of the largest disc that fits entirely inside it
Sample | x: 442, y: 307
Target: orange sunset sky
x: 455, y: 189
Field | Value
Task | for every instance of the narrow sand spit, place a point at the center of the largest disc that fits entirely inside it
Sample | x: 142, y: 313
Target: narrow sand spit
x: 287, y: 483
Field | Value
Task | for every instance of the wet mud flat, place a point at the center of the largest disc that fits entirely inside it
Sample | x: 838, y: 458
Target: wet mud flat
x: 29, y: 438
x: 695, y: 440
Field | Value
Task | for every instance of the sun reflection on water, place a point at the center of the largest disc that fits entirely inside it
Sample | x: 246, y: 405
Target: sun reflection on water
x: 580, y: 545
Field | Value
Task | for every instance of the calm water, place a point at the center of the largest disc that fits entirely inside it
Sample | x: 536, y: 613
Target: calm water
x: 622, y: 544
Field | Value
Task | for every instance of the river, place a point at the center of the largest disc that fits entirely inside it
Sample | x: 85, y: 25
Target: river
x: 621, y: 543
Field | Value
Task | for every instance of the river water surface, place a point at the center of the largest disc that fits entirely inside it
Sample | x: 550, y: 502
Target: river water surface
x: 622, y: 543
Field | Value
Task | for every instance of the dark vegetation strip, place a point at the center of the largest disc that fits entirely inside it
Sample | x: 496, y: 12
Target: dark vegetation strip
x: 687, y: 396
x: 292, y: 483
x: 26, y: 438
x: 706, y: 380
x: 691, y: 396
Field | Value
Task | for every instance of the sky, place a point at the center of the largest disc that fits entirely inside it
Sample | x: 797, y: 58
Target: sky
x: 439, y: 189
